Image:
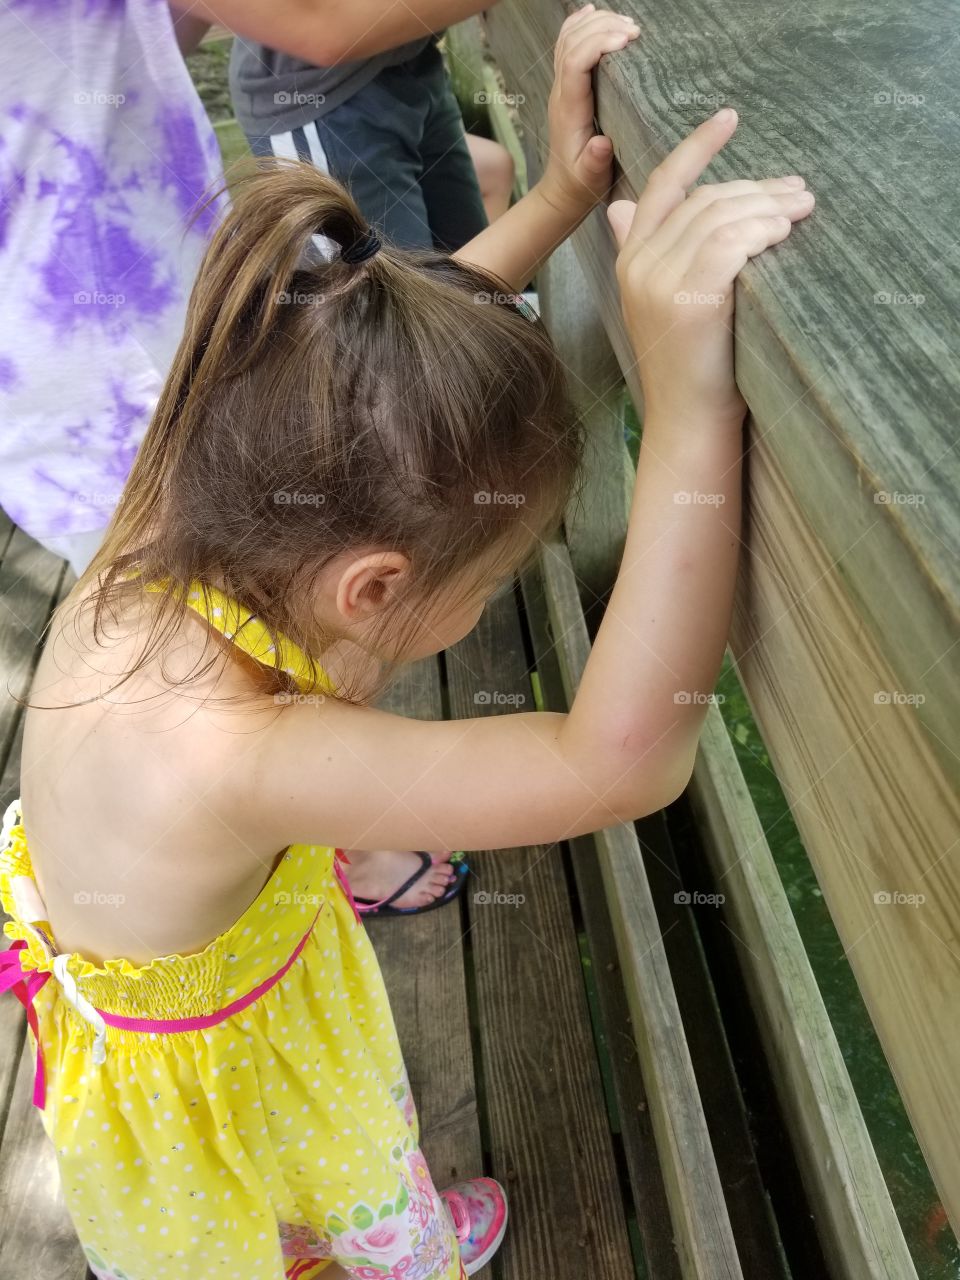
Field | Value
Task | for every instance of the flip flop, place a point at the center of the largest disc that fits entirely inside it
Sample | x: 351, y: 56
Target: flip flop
x: 384, y: 909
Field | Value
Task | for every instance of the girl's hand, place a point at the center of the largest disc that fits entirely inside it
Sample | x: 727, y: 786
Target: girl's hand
x: 679, y: 257
x: 579, y: 169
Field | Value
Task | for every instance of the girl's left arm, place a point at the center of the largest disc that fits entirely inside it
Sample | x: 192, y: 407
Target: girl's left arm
x: 579, y: 169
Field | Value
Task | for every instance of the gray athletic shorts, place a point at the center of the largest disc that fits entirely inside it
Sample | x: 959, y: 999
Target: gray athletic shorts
x: 398, y: 146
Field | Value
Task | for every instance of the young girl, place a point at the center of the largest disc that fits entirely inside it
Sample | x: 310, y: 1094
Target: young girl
x: 218, y: 1067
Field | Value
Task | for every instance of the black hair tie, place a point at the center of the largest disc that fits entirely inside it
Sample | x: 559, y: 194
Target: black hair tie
x: 363, y: 248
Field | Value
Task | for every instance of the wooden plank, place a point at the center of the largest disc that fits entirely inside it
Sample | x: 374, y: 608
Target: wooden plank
x: 596, y: 520
x: 852, y: 402
x: 423, y: 964
x: 38, y: 1241
x: 698, y: 1210
x: 31, y: 580
x: 32, y: 583
x: 855, y: 1216
x: 544, y: 1107
x: 619, y: 1036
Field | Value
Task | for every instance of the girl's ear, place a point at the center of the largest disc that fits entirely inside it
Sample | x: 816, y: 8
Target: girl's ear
x: 371, y: 583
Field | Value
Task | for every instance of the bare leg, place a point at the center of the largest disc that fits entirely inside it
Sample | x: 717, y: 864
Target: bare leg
x: 495, y: 173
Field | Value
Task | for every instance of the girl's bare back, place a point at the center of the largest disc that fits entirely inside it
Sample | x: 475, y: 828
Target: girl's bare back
x: 127, y: 794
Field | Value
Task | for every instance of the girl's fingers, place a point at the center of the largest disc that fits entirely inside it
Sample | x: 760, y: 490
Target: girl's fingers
x: 574, y: 19
x: 620, y: 215
x: 721, y: 258
x: 583, y: 54
x: 681, y: 238
x: 670, y: 181
x: 571, y: 38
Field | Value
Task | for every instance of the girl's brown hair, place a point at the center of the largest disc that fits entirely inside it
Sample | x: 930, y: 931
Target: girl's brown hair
x: 316, y: 404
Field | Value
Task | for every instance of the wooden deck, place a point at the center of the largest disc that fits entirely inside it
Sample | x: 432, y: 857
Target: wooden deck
x: 513, y: 1018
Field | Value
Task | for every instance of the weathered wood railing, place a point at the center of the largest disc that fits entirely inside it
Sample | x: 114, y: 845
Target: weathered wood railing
x: 847, y: 342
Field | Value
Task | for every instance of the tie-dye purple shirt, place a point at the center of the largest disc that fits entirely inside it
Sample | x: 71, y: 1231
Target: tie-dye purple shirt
x: 105, y: 151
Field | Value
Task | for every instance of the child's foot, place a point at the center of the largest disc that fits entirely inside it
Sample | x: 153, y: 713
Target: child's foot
x: 478, y: 1209
x: 375, y: 874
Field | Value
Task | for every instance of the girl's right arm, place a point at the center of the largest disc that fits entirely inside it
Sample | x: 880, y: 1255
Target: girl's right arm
x: 362, y: 778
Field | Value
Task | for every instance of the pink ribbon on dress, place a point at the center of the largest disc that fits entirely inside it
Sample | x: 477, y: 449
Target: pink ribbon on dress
x: 340, y: 860
x: 26, y: 983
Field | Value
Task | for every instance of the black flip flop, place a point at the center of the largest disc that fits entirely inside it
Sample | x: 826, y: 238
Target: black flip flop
x: 369, y: 909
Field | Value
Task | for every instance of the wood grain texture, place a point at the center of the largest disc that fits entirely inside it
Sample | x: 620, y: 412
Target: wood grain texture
x: 37, y: 1240
x: 633, y: 1105
x: 423, y: 966
x: 848, y: 591
x: 701, y: 1223
x: 544, y: 1106
x: 870, y: 386
x: 855, y: 1217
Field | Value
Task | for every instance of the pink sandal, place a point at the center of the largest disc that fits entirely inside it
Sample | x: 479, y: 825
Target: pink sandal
x: 478, y: 1209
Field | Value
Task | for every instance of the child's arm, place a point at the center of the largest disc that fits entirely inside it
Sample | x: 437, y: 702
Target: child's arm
x: 362, y: 778
x: 189, y: 29
x: 326, y: 32
x: 578, y: 173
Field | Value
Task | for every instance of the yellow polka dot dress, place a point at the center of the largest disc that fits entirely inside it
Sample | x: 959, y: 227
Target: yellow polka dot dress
x: 272, y: 1130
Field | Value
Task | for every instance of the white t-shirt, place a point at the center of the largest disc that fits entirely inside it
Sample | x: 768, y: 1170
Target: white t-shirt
x: 105, y: 151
